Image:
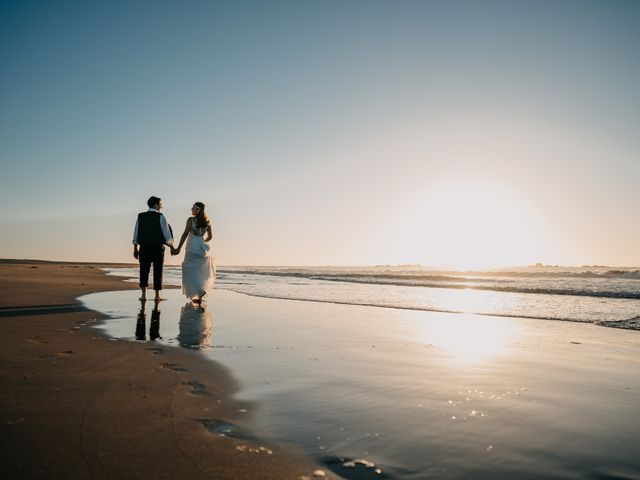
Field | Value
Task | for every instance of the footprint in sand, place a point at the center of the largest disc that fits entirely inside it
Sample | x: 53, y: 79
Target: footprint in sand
x: 197, y: 388
x: 174, y: 367
x: 156, y: 350
x: 66, y: 353
x: 220, y: 428
x: 37, y: 339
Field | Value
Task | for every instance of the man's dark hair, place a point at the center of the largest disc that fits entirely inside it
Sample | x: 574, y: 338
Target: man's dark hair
x: 153, y: 201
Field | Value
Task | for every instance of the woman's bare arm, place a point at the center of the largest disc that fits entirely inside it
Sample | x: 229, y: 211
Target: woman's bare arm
x: 187, y: 227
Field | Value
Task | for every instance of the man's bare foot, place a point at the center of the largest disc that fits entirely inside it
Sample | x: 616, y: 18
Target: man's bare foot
x: 158, y: 298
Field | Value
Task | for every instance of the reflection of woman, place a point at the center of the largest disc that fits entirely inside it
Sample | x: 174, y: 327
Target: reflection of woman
x: 195, y: 327
x: 198, y: 267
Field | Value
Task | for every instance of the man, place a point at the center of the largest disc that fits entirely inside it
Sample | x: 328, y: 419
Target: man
x: 150, y: 235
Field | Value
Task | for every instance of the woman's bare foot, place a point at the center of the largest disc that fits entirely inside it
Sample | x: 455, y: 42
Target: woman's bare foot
x: 198, y: 300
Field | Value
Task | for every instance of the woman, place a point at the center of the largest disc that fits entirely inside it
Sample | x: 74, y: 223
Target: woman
x: 198, y: 267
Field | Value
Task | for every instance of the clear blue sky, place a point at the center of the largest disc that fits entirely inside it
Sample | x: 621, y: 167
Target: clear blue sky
x: 333, y: 132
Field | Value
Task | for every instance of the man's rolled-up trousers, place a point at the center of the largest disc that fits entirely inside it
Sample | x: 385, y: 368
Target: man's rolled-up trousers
x: 151, y: 254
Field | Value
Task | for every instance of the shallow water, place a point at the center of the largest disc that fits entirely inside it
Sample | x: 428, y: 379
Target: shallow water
x: 416, y: 394
x: 610, y: 300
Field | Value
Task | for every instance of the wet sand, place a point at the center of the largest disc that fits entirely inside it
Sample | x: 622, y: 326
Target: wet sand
x: 416, y: 394
x: 75, y: 404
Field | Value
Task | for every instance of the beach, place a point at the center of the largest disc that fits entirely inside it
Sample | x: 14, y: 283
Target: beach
x: 397, y: 240
x: 253, y: 387
x: 76, y: 405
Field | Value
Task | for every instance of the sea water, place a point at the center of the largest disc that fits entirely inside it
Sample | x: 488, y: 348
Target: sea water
x: 377, y: 392
x: 598, y: 294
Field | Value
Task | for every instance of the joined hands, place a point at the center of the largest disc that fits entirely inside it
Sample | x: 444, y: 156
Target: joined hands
x: 175, y: 251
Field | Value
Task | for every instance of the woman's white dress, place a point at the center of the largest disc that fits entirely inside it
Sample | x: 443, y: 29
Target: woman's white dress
x: 198, y: 267
x: 194, y: 327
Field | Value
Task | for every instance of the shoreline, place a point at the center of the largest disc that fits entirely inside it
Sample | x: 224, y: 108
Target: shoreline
x: 76, y: 404
x: 487, y: 397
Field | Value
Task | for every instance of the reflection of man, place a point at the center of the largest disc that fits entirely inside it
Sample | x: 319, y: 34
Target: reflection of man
x: 141, y: 327
x: 150, y: 235
x: 154, y: 328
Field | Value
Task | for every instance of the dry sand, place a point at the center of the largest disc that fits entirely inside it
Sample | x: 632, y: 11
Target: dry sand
x: 76, y: 405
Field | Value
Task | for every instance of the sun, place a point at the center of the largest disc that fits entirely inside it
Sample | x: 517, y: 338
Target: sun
x: 473, y: 225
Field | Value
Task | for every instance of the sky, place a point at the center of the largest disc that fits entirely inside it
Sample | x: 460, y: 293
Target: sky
x: 463, y: 133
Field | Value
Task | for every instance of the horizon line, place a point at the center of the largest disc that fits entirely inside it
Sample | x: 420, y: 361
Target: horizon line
x: 379, y: 265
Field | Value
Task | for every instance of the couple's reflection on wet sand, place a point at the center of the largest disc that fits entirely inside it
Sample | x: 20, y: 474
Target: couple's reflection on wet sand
x: 141, y: 324
x: 194, y: 327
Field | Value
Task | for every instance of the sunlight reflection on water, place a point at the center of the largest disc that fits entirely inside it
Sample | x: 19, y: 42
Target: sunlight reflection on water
x: 388, y: 385
x: 467, y: 338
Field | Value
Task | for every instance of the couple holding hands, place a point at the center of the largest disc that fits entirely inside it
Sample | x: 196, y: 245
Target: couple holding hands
x: 152, y: 232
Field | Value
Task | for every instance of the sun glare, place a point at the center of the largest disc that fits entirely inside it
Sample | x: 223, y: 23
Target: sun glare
x: 470, y: 338
x: 473, y: 225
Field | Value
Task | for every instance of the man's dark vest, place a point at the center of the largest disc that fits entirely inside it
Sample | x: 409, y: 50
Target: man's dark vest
x: 149, y: 230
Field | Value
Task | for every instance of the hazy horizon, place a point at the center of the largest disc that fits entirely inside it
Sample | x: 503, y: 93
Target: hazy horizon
x: 176, y: 263
x: 336, y: 133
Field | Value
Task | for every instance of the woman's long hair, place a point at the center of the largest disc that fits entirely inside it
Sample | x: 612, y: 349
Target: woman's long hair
x: 201, y: 218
